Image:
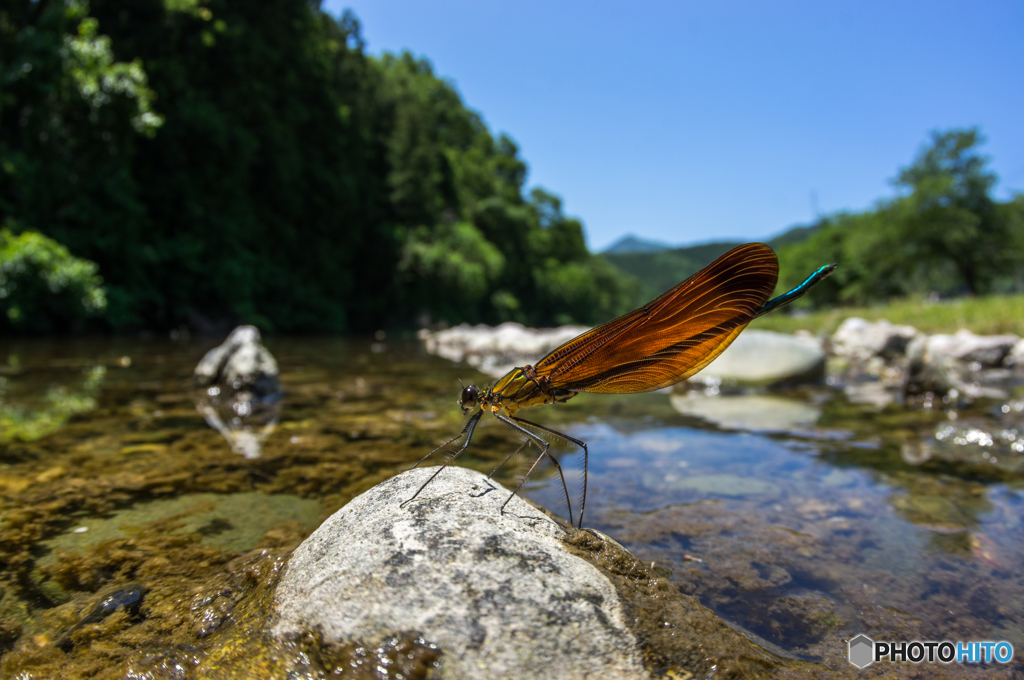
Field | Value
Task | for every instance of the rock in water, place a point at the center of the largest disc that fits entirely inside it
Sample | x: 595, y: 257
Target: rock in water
x: 496, y: 350
x: 765, y: 358
x: 858, y: 338
x: 964, y: 362
x: 240, y: 362
x: 985, y: 350
x: 242, y: 399
x: 498, y: 593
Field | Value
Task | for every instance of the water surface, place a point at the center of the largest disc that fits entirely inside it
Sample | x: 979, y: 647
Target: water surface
x: 800, y: 518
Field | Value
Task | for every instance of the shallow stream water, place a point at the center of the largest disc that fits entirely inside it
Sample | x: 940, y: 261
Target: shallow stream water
x: 798, y: 517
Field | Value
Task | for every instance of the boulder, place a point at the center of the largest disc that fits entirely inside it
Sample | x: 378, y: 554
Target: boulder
x: 766, y: 358
x: 239, y: 362
x: 495, y: 350
x: 857, y: 338
x: 498, y: 593
x: 242, y: 395
x: 1015, y: 358
x: 986, y: 351
x: 941, y: 364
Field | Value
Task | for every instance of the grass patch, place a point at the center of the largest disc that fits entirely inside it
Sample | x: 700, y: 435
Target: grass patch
x: 988, y: 315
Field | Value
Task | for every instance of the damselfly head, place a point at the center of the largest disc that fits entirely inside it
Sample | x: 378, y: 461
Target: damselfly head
x: 470, y: 398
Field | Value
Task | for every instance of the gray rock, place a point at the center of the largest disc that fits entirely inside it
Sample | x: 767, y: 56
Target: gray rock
x: 755, y: 412
x: 858, y: 338
x: 928, y: 372
x: 872, y: 393
x: 242, y: 399
x: 495, y: 350
x: 987, y: 351
x: 239, y: 362
x: 942, y: 364
x: 766, y: 358
x: 1015, y: 358
x: 498, y: 593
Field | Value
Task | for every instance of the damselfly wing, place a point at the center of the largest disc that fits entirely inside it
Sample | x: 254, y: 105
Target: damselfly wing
x: 667, y: 340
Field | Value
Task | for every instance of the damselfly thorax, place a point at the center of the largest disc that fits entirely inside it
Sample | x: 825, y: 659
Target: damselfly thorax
x: 520, y: 388
x: 667, y: 340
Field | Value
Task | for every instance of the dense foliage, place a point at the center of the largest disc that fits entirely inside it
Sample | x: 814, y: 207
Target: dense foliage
x: 943, y: 234
x: 225, y: 162
x: 659, y: 270
x: 43, y: 287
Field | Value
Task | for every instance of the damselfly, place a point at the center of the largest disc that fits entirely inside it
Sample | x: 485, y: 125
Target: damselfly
x: 667, y: 340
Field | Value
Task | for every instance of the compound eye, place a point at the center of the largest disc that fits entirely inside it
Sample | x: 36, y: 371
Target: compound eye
x: 469, y: 395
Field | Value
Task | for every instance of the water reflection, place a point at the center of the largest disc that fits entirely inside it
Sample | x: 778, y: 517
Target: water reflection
x: 31, y: 415
x: 239, y: 391
x: 800, y: 552
x: 801, y: 517
x: 244, y: 419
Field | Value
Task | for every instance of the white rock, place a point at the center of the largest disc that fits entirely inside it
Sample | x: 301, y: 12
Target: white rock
x: 873, y: 393
x: 498, y: 593
x: 495, y: 350
x: 1015, y: 358
x: 941, y: 363
x: 765, y: 357
x: 986, y: 350
x: 242, y: 399
x: 241, y: 360
x: 857, y: 338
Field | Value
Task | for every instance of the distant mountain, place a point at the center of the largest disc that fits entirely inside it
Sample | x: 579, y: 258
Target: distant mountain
x: 795, y: 235
x: 660, y: 270
x: 635, y: 244
x: 659, y: 267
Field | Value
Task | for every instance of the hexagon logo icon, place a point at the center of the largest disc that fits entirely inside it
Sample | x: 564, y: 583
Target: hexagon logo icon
x: 862, y: 651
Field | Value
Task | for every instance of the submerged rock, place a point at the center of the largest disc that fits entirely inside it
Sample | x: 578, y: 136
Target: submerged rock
x: 499, y: 594
x: 754, y: 412
x: 126, y: 596
x: 495, y: 350
x: 233, y: 522
x: 767, y: 358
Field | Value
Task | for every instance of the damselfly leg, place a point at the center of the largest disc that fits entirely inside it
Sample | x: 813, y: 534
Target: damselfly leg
x: 544, y: 451
x: 468, y: 432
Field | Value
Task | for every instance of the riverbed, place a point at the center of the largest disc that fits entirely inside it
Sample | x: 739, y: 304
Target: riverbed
x: 800, y: 518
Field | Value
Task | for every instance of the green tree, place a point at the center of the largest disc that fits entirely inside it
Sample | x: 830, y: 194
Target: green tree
x: 225, y: 162
x: 953, y: 219
x: 43, y: 287
x: 71, y: 116
x: 944, y: 234
x: 474, y: 247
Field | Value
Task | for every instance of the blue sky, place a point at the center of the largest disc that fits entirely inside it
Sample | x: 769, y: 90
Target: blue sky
x: 694, y: 121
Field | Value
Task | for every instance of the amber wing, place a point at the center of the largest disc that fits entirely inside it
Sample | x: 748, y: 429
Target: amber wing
x: 673, y: 336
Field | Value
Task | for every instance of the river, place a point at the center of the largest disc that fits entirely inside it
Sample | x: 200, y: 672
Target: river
x: 798, y: 517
